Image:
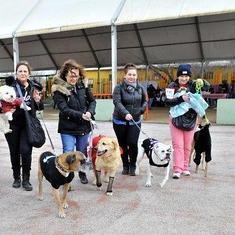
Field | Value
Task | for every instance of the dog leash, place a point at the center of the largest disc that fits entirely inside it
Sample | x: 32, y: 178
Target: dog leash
x: 88, y: 162
x: 139, y: 128
x: 48, y: 135
x: 25, y: 108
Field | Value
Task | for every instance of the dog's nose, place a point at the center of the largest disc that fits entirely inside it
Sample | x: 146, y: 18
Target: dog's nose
x: 83, y: 161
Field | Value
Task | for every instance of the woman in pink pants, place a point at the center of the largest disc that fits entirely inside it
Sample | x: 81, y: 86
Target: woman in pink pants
x: 181, y: 138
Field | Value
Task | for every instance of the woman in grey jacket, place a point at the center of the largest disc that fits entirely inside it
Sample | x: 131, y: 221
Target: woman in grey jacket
x: 129, y: 99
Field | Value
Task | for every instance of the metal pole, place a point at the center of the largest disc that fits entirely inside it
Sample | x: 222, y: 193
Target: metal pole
x: 202, y: 69
x: 114, y: 55
x: 15, y: 51
x: 114, y: 42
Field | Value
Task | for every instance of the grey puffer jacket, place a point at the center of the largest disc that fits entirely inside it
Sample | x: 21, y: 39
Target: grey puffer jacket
x: 72, y: 102
x: 129, y: 100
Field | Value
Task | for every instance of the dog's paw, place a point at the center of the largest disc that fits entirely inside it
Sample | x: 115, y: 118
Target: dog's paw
x: 109, y: 193
x: 65, y: 205
x: 99, y: 188
x: 7, y: 131
x: 40, y: 198
x: 148, y: 184
x: 61, y: 215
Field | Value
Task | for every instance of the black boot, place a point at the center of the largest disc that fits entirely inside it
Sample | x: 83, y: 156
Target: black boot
x: 132, y: 170
x: 125, y: 170
x: 83, y: 178
x: 16, y: 183
x: 26, y: 184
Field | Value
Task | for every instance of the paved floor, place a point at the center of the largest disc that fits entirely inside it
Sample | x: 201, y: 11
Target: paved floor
x: 190, y: 205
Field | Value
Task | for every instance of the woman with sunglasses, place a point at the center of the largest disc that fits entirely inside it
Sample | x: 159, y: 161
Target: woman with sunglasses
x: 129, y: 99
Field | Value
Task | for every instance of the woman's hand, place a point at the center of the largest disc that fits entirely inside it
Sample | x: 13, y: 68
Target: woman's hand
x: 128, y: 117
x: 185, y: 98
x: 37, y: 96
x: 86, y: 116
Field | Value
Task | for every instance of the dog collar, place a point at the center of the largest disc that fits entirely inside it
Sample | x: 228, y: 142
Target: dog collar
x: 60, y: 168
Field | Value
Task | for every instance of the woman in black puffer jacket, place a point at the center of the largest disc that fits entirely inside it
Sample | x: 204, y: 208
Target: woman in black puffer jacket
x: 129, y: 99
x: 18, y: 140
x: 76, y: 104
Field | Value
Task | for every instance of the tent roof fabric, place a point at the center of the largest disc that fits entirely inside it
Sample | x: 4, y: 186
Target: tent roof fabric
x: 148, y: 31
x: 139, y: 11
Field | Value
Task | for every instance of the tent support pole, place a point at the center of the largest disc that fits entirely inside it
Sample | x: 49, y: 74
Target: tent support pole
x: 15, y: 51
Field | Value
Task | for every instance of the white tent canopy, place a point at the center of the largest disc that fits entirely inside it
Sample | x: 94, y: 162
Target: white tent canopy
x: 148, y: 31
x: 31, y: 17
x: 140, y: 11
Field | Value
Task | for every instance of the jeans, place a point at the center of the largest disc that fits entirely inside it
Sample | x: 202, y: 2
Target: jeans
x: 78, y: 141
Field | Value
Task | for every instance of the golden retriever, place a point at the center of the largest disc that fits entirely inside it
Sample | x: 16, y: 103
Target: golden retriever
x: 108, y: 159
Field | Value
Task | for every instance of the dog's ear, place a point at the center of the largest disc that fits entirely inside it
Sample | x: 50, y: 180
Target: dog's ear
x: 115, y: 143
x: 170, y: 148
x: 71, y: 158
x: 9, y: 80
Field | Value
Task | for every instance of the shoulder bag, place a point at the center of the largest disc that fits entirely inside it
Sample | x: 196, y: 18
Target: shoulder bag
x: 186, y: 121
x: 35, y: 132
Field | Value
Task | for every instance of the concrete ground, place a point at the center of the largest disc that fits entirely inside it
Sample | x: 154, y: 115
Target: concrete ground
x: 190, y: 205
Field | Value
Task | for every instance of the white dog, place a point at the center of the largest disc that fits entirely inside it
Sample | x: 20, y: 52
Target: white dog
x: 8, y: 104
x: 159, y: 155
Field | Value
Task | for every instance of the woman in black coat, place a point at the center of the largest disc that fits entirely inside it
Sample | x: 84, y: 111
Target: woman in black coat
x: 76, y: 105
x: 19, y: 146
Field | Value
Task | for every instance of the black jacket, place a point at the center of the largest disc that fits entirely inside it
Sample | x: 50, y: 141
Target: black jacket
x: 72, y: 102
x: 175, y: 101
x: 49, y: 170
x: 19, y: 113
x: 129, y: 100
x: 175, y: 85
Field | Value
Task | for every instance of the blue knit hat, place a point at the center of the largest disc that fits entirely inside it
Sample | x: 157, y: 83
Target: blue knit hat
x: 184, y: 69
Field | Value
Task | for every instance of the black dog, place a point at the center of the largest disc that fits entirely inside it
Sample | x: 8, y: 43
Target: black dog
x: 202, y: 140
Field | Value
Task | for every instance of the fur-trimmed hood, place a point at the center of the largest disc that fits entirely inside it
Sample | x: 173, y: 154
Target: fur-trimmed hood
x: 60, y: 85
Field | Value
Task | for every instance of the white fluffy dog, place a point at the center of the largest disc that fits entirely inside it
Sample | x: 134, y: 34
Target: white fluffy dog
x: 159, y: 155
x: 8, y: 104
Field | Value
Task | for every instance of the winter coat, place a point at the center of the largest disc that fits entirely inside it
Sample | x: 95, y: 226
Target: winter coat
x: 72, y: 102
x: 129, y: 100
x: 19, y: 113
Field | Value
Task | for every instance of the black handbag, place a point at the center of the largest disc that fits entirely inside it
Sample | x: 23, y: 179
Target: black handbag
x: 186, y: 121
x: 35, y: 132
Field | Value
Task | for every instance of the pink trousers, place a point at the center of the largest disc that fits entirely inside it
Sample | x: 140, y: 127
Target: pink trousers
x: 182, y: 144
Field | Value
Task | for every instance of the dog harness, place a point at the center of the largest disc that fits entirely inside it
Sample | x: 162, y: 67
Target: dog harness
x: 148, y: 145
x: 51, y: 173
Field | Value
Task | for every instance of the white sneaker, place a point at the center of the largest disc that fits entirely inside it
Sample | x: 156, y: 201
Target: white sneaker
x: 186, y: 173
x: 176, y: 175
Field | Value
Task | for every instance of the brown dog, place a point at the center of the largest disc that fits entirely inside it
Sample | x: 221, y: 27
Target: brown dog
x: 58, y: 171
x: 108, y: 159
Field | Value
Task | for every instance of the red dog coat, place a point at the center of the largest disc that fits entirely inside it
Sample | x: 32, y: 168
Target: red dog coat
x: 7, y: 106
